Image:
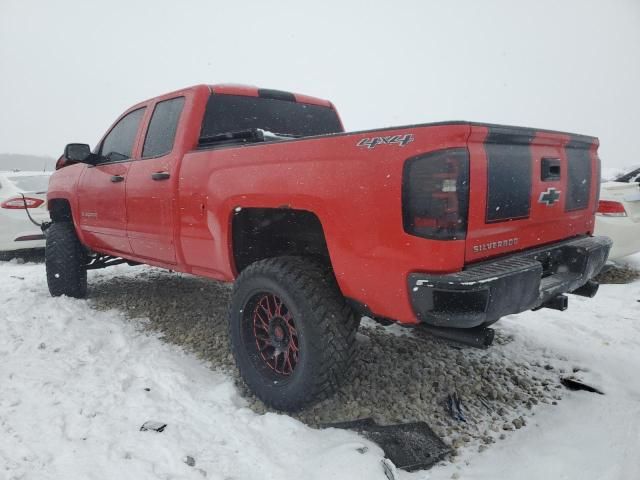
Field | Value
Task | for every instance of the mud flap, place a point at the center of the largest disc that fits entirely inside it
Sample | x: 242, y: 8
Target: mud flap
x: 574, y: 384
x: 410, y: 446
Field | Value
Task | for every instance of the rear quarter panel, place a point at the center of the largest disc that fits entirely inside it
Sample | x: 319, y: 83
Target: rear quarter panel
x: 354, y: 191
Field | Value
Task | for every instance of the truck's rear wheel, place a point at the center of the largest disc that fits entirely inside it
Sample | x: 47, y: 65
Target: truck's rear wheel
x: 292, y: 333
x: 65, y: 261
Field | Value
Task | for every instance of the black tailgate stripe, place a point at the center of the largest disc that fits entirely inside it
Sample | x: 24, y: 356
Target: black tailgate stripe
x: 579, y: 177
x: 509, y: 160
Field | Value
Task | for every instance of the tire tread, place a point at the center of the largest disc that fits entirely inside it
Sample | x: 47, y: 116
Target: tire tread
x: 64, y: 260
x: 336, y: 322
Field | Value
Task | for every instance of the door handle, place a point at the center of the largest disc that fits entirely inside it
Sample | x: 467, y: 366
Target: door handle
x: 117, y: 178
x: 160, y: 175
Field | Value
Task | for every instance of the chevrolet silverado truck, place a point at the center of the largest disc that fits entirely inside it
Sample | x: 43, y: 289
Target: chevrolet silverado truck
x: 446, y: 225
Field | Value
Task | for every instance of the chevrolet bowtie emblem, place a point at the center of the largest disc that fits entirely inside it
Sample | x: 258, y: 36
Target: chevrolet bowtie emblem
x: 549, y: 197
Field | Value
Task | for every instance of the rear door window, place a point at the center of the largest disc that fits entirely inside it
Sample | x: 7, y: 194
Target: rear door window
x: 119, y: 142
x: 162, y: 128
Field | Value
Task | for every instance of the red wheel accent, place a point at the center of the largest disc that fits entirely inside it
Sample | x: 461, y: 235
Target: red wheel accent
x: 275, y: 333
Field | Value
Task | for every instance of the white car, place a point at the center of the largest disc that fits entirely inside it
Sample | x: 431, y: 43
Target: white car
x: 17, y: 232
x: 618, y: 215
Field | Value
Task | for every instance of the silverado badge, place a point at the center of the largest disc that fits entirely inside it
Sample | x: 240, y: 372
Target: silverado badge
x: 549, y: 197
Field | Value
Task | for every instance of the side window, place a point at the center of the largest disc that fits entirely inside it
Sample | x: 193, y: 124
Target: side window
x: 162, y: 128
x: 118, y: 144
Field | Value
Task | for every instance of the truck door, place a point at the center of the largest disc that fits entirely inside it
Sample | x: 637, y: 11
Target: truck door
x: 151, y: 184
x: 101, y: 188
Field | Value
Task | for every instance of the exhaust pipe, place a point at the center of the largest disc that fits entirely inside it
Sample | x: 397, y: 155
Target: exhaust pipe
x: 478, y: 337
x: 589, y: 289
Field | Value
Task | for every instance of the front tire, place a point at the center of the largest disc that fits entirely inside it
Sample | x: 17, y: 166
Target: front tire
x: 292, y: 333
x: 65, y: 261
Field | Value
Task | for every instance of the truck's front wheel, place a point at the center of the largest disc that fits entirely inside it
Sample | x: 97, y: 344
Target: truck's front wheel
x: 65, y: 261
x: 292, y: 333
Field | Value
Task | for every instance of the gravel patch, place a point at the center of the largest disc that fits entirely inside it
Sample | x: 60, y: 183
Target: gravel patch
x: 617, y: 274
x: 400, y: 375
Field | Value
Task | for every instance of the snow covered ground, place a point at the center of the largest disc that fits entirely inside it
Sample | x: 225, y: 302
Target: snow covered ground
x: 76, y: 384
x: 73, y: 398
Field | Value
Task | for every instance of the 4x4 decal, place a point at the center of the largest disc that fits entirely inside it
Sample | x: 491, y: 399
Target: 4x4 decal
x: 400, y: 140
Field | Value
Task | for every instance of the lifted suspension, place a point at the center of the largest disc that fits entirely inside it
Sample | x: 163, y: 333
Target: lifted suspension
x: 104, y: 261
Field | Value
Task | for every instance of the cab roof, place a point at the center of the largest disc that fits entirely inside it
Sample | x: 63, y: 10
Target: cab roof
x: 245, y: 91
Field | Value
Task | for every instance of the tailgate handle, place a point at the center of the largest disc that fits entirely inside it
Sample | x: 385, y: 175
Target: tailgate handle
x: 550, y: 169
x: 160, y: 176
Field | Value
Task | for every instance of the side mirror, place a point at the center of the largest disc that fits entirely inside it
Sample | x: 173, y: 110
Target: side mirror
x: 78, y: 152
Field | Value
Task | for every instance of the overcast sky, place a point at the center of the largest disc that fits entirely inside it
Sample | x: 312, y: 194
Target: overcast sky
x: 68, y: 68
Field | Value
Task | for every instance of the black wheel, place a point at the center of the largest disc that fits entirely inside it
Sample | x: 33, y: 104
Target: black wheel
x: 65, y: 261
x: 292, y: 333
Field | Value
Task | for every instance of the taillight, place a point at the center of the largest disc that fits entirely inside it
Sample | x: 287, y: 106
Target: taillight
x: 608, y: 208
x: 19, y: 202
x: 435, y: 194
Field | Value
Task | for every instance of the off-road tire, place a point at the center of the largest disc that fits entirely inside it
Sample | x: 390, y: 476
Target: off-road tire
x: 326, y: 330
x: 65, y: 260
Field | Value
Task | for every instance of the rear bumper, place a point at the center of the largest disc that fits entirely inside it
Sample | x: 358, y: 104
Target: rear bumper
x: 15, y: 239
x: 18, y: 233
x: 483, y: 293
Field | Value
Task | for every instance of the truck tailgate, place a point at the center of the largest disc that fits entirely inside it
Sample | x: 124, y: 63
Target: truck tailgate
x: 528, y: 188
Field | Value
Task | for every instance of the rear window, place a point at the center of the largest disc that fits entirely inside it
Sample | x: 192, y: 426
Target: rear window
x: 31, y: 183
x: 233, y: 113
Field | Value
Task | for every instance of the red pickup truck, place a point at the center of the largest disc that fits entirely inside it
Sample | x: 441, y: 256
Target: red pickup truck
x: 449, y: 225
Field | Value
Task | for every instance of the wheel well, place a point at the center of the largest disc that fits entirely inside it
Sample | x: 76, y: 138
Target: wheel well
x: 60, y: 210
x: 260, y: 233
